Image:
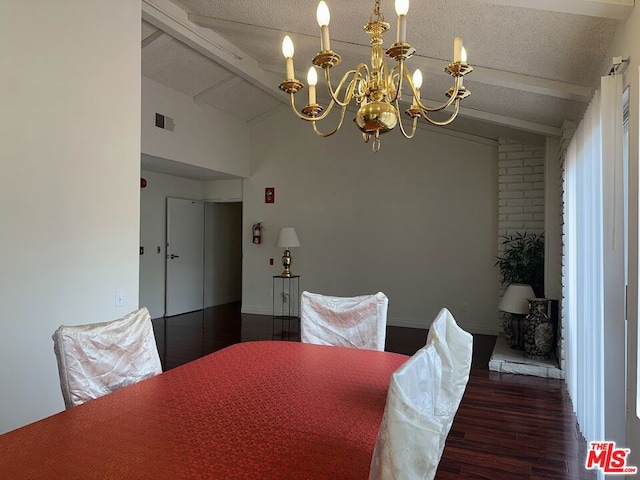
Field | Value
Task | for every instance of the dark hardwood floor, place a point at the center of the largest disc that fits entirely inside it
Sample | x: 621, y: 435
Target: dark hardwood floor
x: 508, y: 427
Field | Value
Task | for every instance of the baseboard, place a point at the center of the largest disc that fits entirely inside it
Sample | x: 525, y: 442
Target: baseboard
x: 480, y: 329
x: 420, y: 323
x: 394, y: 321
x: 233, y: 299
x: 251, y: 309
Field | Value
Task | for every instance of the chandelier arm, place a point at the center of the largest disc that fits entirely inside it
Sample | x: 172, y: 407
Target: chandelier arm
x: 399, y: 71
x: 334, y: 94
x: 403, y: 73
x: 307, y: 118
x: 441, y: 107
x: 449, y: 120
x: 414, y: 123
x: 348, y: 94
x: 295, y: 110
x: 320, y: 134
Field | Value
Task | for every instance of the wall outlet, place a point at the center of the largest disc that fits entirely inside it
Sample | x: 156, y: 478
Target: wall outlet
x: 285, y: 297
x: 270, y: 293
x: 119, y: 298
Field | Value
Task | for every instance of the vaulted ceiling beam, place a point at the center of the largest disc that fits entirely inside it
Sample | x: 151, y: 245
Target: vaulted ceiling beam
x: 170, y: 18
x: 615, y: 9
x: 505, y: 121
x: 153, y: 38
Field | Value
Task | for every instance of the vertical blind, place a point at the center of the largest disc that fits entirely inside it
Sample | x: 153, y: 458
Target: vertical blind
x: 593, y: 267
x: 583, y: 272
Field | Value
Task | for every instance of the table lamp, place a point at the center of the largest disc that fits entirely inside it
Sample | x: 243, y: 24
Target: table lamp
x: 515, y: 302
x: 287, y: 238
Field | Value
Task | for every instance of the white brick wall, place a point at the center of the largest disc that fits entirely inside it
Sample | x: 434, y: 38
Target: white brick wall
x: 568, y: 130
x: 520, y: 187
x: 520, y: 190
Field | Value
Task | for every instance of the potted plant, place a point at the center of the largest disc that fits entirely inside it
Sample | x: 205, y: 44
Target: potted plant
x: 523, y: 260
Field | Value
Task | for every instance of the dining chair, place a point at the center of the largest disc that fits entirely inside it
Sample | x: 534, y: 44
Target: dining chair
x: 423, y: 398
x: 99, y: 358
x: 355, y: 322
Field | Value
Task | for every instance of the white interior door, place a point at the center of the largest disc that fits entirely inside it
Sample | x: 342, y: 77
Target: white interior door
x: 185, y: 256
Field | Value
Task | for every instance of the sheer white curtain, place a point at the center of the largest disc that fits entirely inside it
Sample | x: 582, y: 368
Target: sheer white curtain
x: 593, y: 268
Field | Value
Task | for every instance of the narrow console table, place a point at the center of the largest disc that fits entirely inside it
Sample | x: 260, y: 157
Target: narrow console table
x: 286, y: 307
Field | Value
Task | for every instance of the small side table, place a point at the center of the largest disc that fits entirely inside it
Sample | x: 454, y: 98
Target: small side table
x: 286, y: 306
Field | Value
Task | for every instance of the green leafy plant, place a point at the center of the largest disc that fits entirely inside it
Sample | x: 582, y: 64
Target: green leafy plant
x: 523, y: 260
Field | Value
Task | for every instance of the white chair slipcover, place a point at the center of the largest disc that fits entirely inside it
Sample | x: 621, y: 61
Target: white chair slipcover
x: 99, y: 358
x: 455, y: 349
x: 424, y: 395
x: 356, y: 322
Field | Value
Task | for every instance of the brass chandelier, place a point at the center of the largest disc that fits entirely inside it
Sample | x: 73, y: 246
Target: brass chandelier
x: 376, y: 89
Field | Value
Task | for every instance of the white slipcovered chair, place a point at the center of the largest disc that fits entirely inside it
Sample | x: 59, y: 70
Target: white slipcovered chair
x: 423, y: 398
x: 99, y: 358
x: 355, y: 322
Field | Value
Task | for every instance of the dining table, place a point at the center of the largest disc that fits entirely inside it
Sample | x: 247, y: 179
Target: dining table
x: 254, y: 410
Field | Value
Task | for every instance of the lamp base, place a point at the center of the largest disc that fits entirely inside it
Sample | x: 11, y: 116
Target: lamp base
x: 286, y: 263
x: 517, y: 331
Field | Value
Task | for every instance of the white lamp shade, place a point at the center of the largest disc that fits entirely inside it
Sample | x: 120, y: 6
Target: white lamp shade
x: 288, y: 238
x: 516, y: 298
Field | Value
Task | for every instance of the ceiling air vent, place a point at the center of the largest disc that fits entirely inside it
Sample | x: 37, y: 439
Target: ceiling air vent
x: 164, y: 122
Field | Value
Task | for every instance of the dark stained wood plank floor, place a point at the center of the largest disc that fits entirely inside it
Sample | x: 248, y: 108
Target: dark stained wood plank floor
x: 508, y: 427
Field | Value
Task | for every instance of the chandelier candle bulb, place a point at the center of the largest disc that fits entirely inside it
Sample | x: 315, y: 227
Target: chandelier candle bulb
x: 417, y: 79
x: 463, y: 59
x: 457, y: 49
x: 323, y: 16
x: 417, y: 83
x: 287, y: 51
x: 312, y: 80
x: 402, y: 7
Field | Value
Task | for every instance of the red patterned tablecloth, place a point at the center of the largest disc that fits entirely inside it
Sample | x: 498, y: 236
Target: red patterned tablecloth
x: 257, y: 410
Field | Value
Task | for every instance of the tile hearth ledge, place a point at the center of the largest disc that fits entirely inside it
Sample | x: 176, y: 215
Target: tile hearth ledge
x: 508, y: 360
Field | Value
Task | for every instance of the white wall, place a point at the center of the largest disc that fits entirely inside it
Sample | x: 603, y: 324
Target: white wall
x: 417, y: 220
x: 153, y: 233
x: 203, y: 136
x: 70, y: 142
x: 222, y: 190
x: 627, y: 44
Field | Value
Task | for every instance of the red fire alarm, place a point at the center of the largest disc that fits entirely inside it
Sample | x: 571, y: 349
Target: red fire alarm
x: 269, y: 195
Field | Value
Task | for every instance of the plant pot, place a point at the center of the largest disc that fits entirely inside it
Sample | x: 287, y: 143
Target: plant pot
x: 539, y: 330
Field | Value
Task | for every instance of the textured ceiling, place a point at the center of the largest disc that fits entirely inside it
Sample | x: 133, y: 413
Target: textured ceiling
x: 534, y: 68
x: 496, y: 36
x: 181, y: 68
